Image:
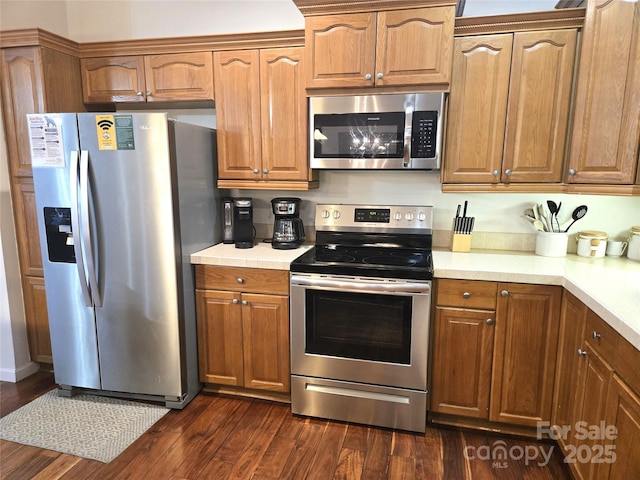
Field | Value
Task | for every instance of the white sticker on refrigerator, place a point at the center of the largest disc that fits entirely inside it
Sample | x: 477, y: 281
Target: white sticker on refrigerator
x: 45, y: 140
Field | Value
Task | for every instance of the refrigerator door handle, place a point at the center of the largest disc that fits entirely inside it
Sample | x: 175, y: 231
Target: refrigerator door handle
x: 86, y: 227
x: 75, y: 222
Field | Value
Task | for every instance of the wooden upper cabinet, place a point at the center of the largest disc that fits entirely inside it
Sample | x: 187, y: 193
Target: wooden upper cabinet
x: 512, y: 126
x: 151, y: 78
x: 179, y: 77
x: 237, y: 85
x: 390, y: 48
x: 606, y: 127
x: 113, y: 79
x: 477, y: 109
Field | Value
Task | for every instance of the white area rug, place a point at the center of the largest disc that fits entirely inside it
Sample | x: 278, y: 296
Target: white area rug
x: 87, y: 426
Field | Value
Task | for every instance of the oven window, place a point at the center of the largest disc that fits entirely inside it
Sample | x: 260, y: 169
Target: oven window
x: 359, y: 135
x: 359, y: 325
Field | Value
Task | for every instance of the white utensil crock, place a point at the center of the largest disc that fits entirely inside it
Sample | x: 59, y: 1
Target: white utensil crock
x: 552, y: 244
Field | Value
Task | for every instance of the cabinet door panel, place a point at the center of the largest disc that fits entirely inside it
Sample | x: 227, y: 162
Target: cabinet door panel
x: 265, y: 321
x: 340, y: 50
x: 26, y: 218
x: 477, y: 109
x: 283, y: 114
x: 23, y: 93
x: 37, y: 319
x: 113, y: 79
x: 538, y: 109
x: 414, y: 46
x: 524, y: 361
x: 237, y: 91
x: 179, y: 77
x: 606, y: 128
x: 219, y: 337
x: 463, y: 350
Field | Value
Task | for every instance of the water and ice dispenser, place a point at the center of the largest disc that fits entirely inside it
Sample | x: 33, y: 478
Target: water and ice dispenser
x: 57, y: 223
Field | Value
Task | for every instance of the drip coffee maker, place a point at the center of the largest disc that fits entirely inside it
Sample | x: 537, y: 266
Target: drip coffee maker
x: 288, y: 230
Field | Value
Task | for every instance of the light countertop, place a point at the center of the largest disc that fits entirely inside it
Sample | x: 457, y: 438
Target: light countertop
x: 610, y: 286
x: 260, y: 256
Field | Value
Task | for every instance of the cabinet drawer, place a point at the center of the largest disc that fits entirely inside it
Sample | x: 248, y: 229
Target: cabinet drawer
x: 601, y: 337
x: 467, y: 293
x: 253, y: 280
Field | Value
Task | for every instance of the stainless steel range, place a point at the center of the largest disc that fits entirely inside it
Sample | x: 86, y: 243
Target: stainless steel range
x: 360, y: 307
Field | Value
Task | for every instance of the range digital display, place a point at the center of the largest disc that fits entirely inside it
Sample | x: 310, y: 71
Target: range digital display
x: 375, y: 215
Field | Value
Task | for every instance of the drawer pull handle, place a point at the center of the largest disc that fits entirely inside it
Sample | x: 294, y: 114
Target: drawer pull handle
x: 504, y: 293
x: 245, y: 303
x: 595, y: 335
x: 240, y: 280
x: 235, y: 301
x: 582, y: 352
x: 466, y: 294
x: 489, y: 321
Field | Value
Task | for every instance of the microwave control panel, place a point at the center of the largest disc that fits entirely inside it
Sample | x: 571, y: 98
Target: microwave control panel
x: 423, y: 138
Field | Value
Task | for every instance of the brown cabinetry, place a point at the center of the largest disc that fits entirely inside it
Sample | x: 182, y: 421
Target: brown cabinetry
x: 494, y: 350
x: 43, y: 77
x: 243, y: 327
x: 606, y: 127
x: 261, y: 119
x: 392, y: 48
x: 179, y: 77
x: 512, y: 126
x: 596, y: 405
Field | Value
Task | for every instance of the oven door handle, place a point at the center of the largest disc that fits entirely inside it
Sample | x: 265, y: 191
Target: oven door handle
x: 344, y: 285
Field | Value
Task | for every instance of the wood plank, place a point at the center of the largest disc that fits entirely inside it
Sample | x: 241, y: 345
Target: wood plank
x: 350, y: 464
x: 328, y: 451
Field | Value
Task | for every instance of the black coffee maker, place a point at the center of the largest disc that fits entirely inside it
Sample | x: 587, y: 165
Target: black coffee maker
x: 243, y: 231
x: 288, y: 230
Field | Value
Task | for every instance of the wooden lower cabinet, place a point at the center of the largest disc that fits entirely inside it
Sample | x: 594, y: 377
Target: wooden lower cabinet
x: 37, y: 319
x: 596, y: 409
x: 243, y: 337
x: 495, y: 365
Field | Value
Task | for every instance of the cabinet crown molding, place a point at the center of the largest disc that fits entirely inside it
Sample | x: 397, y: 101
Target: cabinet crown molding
x: 517, y: 22
x: 33, y: 37
x: 328, y: 7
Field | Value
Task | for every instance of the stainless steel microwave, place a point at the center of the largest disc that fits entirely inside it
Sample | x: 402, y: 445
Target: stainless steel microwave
x: 385, y: 131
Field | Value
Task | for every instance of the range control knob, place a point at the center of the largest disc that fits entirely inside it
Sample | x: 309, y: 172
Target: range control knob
x: 422, y: 217
x: 325, y: 214
x: 408, y: 216
x: 398, y: 216
x: 336, y: 214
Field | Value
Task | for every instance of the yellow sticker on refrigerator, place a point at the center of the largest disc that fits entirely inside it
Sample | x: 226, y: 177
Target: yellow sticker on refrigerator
x: 115, y: 132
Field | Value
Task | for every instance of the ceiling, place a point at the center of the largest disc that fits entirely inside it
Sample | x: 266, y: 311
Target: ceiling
x: 472, y: 8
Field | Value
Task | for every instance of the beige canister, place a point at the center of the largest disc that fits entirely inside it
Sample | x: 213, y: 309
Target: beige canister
x: 592, y: 243
x: 633, y: 249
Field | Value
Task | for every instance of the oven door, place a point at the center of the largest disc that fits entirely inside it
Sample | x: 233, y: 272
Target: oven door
x: 368, y: 330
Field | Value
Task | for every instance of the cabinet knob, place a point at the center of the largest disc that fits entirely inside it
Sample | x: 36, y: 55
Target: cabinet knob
x: 367, y: 76
x: 504, y: 293
x: 148, y: 93
x: 139, y: 94
x: 466, y: 294
x: 490, y: 321
x: 265, y: 171
x: 240, y: 280
x: 496, y: 173
x: 582, y: 352
x: 595, y: 335
x: 572, y: 171
x: 380, y: 75
x: 235, y: 301
x: 256, y: 171
x: 245, y: 303
x: 507, y: 172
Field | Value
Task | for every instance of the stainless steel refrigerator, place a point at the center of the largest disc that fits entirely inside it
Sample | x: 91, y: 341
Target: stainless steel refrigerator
x: 123, y: 200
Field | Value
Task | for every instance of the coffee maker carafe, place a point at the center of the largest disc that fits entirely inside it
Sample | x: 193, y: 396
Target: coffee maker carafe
x: 288, y: 230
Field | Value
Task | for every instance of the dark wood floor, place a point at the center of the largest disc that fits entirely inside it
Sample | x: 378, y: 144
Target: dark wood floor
x: 218, y: 437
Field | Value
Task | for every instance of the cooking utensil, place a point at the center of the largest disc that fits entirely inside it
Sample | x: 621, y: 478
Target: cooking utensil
x: 545, y: 218
x: 577, y: 214
x: 553, y: 210
x: 539, y: 225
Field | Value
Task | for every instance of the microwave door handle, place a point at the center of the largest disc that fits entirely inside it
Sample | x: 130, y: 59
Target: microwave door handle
x: 408, y: 122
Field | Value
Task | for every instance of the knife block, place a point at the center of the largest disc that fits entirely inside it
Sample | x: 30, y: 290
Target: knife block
x: 460, y: 242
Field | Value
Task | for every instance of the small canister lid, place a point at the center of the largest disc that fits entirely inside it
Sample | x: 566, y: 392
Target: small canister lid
x: 592, y: 234
x: 635, y: 230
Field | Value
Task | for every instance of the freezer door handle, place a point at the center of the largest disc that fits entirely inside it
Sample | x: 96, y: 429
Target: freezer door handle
x: 75, y: 223
x: 86, y: 227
